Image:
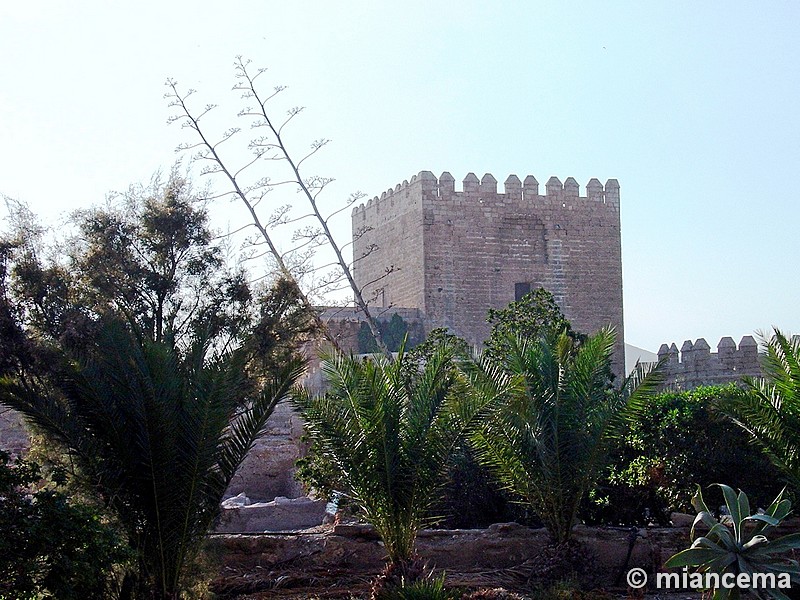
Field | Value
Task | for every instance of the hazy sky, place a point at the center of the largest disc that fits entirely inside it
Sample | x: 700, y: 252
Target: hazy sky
x: 694, y: 109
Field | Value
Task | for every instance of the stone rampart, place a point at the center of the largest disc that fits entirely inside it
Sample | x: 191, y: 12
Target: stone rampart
x: 695, y: 365
x: 455, y: 254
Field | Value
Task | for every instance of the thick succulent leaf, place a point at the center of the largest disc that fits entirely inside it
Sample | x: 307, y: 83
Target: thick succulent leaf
x: 734, y: 509
x: 704, y: 517
x: 772, y: 566
x: 718, y: 535
x: 721, y: 564
x: 722, y: 593
x: 744, y: 505
x: 755, y: 542
x: 694, y: 557
x: 779, y: 509
x: 765, y: 519
x: 783, y: 544
x: 697, y: 501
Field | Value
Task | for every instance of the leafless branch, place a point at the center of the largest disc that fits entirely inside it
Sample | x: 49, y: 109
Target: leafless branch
x: 272, y: 147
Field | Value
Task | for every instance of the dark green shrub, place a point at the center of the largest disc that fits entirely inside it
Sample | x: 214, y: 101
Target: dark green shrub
x: 423, y: 589
x: 677, y: 442
x: 472, y: 498
x: 393, y: 332
x: 552, y: 418
x: 51, y: 547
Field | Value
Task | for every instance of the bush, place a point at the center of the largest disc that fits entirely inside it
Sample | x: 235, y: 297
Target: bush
x: 472, y: 498
x: 678, y: 441
x: 50, y: 546
x: 422, y: 589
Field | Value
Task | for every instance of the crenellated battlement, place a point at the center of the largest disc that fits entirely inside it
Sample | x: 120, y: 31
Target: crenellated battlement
x: 695, y: 365
x: 455, y: 249
x: 485, y: 188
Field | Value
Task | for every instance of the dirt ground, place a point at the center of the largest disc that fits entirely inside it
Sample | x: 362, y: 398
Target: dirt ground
x: 343, y: 585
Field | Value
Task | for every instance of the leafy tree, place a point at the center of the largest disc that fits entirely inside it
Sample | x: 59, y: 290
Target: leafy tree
x: 367, y: 343
x: 768, y: 409
x: 676, y: 441
x: 157, y: 433
x: 548, y: 434
x: 52, y: 546
x: 390, y: 436
x: 149, y: 255
x: 438, y: 338
x: 395, y: 333
x: 535, y: 315
x: 153, y: 365
x: 281, y: 328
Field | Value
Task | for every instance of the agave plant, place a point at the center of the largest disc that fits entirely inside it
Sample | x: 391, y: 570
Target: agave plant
x: 741, y: 548
x: 769, y: 408
x: 547, y: 437
x: 390, y: 430
x: 157, y: 433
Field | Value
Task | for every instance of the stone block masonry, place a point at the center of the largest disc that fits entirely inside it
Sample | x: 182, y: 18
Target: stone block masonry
x: 455, y: 254
x: 696, y: 365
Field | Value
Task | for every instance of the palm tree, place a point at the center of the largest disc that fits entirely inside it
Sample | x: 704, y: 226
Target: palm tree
x: 158, y: 433
x: 547, y: 435
x: 389, y: 428
x: 768, y: 408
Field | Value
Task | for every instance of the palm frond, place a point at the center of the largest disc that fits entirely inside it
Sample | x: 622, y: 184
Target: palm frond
x: 768, y: 408
x: 158, y: 434
x: 390, y: 429
x: 547, y: 439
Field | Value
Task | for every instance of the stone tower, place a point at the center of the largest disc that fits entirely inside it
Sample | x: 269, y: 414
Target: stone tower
x: 455, y: 254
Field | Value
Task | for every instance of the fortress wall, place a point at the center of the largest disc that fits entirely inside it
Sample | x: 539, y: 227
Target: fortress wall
x: 387, y: 236
x: 695, y: 365
x: 478, y: 243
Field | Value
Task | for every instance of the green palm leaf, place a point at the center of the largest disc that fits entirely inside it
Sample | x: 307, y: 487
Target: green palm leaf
x: 157, y: 434
x: 552, y: 416
x: 390, y: 428
x: 769, y: 408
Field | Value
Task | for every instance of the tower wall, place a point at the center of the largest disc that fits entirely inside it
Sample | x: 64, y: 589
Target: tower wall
x: 388, y: 247
x: 463, y: 252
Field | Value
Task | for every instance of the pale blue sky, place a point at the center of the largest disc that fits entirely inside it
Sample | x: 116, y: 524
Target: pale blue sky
x: 693, y: 108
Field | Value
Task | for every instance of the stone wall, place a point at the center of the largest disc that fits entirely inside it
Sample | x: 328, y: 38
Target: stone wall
x: 504, y: 554
x: 13, y: 435
x: 266, y: 473
x: 695, y: 365
x: 455, y: 254
x: 503, y: 550
x: 268, y: 469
